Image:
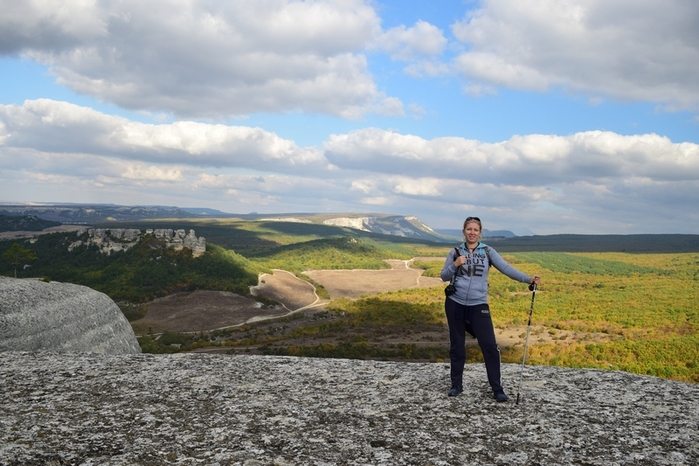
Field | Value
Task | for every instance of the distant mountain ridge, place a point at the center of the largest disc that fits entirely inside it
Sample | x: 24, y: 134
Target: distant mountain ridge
x: 89, y: 214
x: 24, y: 223
x: 108, y: 215
x: 93, y: 214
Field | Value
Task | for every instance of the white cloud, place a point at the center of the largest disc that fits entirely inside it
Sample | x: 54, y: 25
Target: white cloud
x: 278, y: 193
x: 643, y: 50
x: 420, y: 187
x: 480, y: 90
x: 417, y: 111
x: 421, y: 40
x: 53, y: 126
x: 48, y: 24
x: 588, y: 182
x: 389, y: 106
x: 197, y: 59
x: 522, y: 160
x: 431, y: 68
x: 150, y: 173
x: 374, y: 201
x: 61, y: 129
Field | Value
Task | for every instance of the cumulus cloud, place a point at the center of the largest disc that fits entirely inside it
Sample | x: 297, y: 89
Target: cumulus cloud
x: 52, y: 25
x: 143, y: 172
x: 447, y: 191
x: 592, y: 181
x: 56, y: 127
x: 557, y: 183
x: 197, y: 59
x: 405, y: 44
x: 522, y: 160
x: 632, y: 51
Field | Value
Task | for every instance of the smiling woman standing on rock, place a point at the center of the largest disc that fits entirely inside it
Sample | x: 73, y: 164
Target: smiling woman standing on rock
x: 467, y: 305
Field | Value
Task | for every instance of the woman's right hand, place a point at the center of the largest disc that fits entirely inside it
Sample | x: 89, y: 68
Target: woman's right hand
x: 459, y: 261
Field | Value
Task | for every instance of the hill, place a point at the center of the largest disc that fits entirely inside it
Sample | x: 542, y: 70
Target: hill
x: 139, y: 271
x: 25, y: 223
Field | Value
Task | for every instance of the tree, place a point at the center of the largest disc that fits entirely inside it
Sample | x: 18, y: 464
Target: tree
x: 17, y: 255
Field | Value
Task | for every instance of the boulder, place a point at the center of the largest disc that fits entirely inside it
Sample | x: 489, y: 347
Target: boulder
x: 61, y: 317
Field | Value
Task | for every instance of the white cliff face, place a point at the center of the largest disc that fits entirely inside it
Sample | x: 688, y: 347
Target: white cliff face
x: 63, y: 317
x: 253, y: 410
x: 407, y: 227
x: 361, y: 223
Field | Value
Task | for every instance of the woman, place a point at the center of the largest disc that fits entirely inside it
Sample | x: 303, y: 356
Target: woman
x: 467, y: 308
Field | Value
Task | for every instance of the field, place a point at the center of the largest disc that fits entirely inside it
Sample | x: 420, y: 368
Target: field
x: 209, y: 310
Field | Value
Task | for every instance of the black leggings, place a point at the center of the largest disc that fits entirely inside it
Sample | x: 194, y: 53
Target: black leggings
x: 477, y: 322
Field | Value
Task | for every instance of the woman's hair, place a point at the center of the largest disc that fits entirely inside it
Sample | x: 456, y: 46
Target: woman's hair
x: 473, y: 220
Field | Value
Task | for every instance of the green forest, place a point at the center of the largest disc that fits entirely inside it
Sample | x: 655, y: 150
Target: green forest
x: 142, y: 273
x: 634, y: 312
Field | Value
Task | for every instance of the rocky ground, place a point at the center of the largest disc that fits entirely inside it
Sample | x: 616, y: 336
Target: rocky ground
x: 187, y: 409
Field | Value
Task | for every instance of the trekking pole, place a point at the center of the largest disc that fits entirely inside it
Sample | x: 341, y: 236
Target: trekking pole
x: 532, y: 287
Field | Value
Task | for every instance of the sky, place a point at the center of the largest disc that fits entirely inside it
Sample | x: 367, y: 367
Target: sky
x: 538, y: 116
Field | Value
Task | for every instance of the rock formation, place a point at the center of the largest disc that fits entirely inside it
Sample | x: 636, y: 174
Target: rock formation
x: 35, y: 315
x: 80, y: 409
x: 121, y: 239
x: 177, y: 239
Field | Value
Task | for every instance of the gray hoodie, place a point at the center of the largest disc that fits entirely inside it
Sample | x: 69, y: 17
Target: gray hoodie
x: 472, y: 278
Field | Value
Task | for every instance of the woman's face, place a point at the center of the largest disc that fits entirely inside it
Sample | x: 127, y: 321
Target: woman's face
x: 472, y: 232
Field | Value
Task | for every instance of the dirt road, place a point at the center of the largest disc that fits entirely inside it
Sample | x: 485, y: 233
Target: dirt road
x: 208, y: 310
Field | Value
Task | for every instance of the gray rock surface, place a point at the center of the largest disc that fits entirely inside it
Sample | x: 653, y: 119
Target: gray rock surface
x: 187, y: 409
x: 54, y: 316
x: 122, y: 239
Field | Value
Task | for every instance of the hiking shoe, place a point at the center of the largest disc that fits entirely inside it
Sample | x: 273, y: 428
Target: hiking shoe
x: 454, y: 391
x: 500, y: 396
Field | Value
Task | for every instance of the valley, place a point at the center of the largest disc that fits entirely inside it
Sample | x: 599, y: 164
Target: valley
x: 318, y: 290
x: 300, y: 306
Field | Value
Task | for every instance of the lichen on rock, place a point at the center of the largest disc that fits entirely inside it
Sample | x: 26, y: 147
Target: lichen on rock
x: 183, y: 409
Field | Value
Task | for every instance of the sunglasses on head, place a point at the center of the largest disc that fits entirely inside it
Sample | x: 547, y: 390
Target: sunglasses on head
x: 468, y: 219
